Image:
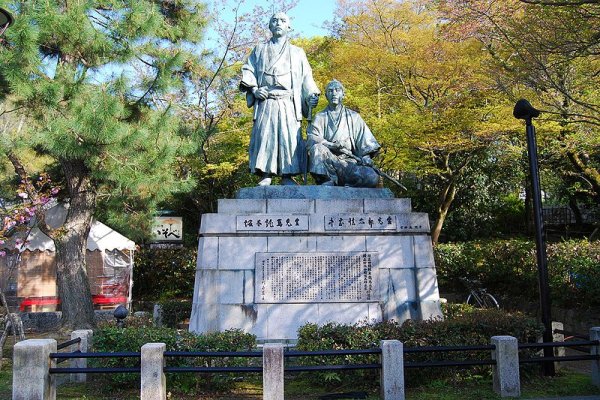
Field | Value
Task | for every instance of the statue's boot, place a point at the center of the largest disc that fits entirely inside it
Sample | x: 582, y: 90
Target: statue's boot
x: 266, y: 181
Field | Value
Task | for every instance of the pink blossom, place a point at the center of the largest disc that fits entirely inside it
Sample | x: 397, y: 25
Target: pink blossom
x: 2, y: 253
x: 23, y: 195
x: 55, y: 190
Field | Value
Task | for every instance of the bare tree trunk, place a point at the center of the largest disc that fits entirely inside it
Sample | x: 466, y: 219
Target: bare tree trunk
x: 446, y: 198
x: 576, y: 211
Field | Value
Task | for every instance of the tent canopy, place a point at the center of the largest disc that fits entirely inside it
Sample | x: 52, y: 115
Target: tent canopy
x: 101, y: 237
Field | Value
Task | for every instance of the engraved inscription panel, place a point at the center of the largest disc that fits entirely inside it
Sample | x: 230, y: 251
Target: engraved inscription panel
x: 413, y: 222
x: 271, y: 223
x: 316, y: 277
x: 360, y: 222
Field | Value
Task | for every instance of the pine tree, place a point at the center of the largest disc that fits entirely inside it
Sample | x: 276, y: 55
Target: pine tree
x: 96, y: 80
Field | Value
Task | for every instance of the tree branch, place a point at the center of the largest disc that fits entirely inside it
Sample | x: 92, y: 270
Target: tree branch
x: 565, y: 3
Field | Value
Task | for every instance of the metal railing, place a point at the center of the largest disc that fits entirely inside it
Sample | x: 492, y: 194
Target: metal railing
x: 504, y: 351
x: 293, y: 353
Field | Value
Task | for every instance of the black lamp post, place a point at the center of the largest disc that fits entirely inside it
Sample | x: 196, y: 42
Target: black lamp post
x: 5, y: 20
x: 524, y: 110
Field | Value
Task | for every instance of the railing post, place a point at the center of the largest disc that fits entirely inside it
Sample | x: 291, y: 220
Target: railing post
x: 31, y: 375
x: 273, y: 371
x: 595, y: 351
x: 86, y: 336
x: 153, y: 380
x: 558, y: 337
x: 507, y: 381
x: 392, y: 370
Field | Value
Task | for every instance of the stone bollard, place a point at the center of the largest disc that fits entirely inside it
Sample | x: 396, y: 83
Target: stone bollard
x: 31, y: 375
x: 153, y: 380
x: 392, y: 370
x: 273, y: 371
x: 85, y: 345
x: 595, y: 351
x: 157, y: 315
x: 558, y: 337
x: 507, y: 381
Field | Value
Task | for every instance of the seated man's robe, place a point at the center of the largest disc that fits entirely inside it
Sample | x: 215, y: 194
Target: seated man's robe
x: 349, y: 129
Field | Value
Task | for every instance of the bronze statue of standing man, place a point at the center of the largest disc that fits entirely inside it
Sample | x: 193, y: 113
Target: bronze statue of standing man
x: 279, y: 85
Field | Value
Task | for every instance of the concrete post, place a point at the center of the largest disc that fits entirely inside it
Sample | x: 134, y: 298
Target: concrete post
x: 31, y: 375
x: 507, y: 381
x: 392, y: 370
x: 595, y: 351
x: 558, y: 337
x: 153, y: 380
x: 85, y: 345
x: 273, y: 371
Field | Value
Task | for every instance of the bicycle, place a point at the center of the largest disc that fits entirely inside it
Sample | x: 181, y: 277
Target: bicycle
x: 478, y: 296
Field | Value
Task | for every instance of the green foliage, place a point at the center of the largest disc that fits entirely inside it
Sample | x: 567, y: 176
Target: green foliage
x: 164, y: 274
x: 507, y: 268
x: 175, y: 312
x: 527, y: 62
x: 455, y: 310
x: 59, y: 62
x: 470, y: 327
x: 113, y: 339
x: 431, y: 102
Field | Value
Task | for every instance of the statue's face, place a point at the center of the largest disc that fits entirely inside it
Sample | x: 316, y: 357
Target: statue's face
x: 279, y: 25
x: 334, y: 94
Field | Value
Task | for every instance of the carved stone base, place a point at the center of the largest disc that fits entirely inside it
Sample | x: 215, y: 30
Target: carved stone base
x: 269, y: 265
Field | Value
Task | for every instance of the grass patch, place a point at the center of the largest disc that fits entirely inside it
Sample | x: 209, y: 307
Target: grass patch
x: 566, y: 383
x: 6, y: 379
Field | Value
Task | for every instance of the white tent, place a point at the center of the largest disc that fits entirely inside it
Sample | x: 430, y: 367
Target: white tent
x: 101, y: 237
x: 32, y: 275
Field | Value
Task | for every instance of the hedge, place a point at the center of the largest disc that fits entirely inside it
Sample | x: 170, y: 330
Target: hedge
x: 468, y: 327
x: 508, y: 269
x: 112, y: 339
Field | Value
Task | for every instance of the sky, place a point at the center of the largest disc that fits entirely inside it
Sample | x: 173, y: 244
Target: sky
x: 307, y: 17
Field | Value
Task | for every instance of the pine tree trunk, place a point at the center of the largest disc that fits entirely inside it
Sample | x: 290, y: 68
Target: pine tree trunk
x: 71, y: 245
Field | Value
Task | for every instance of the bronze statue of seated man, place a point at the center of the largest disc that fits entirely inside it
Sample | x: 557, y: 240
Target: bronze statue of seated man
x: 341, y: 145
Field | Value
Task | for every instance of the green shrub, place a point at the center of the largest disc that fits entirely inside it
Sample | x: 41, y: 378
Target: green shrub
x: 474, y: 327
x: 175, y: 312
x: 164, y: 274
x: 508, y: 269
x: 113, y: 339
x: 454, y: 310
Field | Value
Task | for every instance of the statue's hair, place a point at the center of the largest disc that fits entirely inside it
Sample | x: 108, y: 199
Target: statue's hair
x: 335, y: 82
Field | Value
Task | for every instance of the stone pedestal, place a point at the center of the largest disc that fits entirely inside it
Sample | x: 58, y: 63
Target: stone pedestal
x: 278, y: 257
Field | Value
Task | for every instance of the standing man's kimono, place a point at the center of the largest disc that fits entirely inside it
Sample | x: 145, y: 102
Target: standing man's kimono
x: 276, y: 144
